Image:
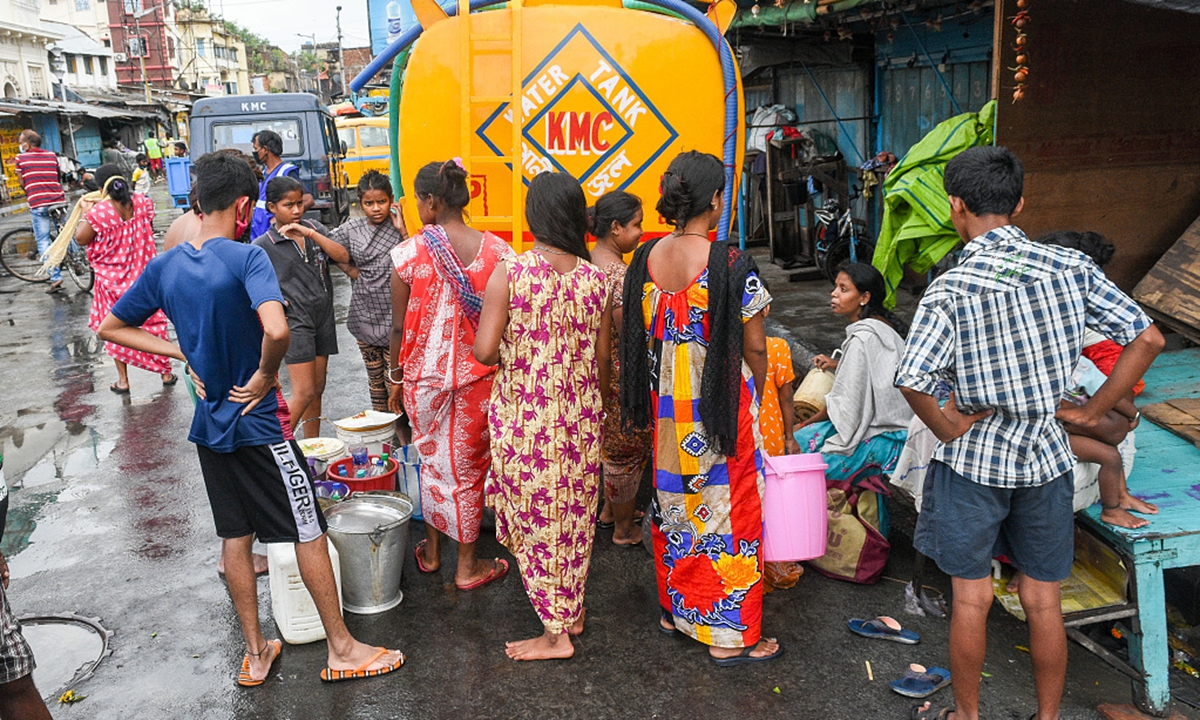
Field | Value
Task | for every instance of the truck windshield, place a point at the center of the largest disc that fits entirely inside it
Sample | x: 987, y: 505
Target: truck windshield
x: 240, y: 134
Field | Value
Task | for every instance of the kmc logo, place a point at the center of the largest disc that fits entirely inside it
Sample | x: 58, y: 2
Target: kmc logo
x: 584, y: 115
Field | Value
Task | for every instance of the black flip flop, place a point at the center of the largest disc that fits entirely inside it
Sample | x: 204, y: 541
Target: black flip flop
x: 919, y: 713
x: 744, y: 657
x: 118, y: 389
x: 638, y: 516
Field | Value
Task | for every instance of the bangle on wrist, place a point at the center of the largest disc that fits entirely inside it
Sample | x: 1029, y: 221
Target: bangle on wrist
x: 391, y: 375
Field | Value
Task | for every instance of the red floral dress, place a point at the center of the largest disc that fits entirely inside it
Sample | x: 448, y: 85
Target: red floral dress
x: 446, y: 390
x: 119, y: 254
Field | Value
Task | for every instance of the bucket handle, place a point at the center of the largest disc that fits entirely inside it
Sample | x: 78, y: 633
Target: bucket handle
x: 376, y: 536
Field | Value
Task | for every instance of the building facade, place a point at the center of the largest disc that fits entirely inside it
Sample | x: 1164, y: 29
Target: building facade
x: 212, y: 60
x: 90, y: 16
x: 24, y: 62
x: 142, y: 36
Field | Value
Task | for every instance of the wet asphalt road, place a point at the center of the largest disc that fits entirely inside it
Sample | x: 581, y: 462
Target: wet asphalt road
x: 110, y: 519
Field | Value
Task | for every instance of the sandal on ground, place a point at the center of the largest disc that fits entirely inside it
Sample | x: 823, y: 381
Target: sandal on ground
x: 54, y: 287
x: 745, y: 657
x: 667, y: 630
x: 499, y: 570
x: 170, y: 379
x: 118, y: 389
x: 638, y: 515
x: 331, y: 675
x: 919, y: 682
x: 883, y: 628
x: 421, y: 563
x: 926, y: 712
x: 244, y: 678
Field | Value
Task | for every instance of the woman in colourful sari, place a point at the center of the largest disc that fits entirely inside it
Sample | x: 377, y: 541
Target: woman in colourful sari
x: 437, y: 293
x: 118, y: 232
x: 701, y: 321
x: 546, y: 322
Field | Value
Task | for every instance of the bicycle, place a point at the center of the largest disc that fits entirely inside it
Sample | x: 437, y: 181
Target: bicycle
x: 19, y: 255
x: 848, y: 242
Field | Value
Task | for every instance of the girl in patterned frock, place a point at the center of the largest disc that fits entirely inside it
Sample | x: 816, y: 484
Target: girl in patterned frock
x: 118, y: 233
x: 693, y: 361
x: 436, y: 298
x: 616, y: 223
x: 547, y: 321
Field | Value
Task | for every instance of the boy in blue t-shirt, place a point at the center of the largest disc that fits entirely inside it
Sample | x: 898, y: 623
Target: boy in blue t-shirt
x: 224, y: 300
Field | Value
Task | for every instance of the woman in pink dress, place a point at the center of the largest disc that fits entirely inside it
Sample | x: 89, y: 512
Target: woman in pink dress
x: 118, y: 233
x: 437, y: 293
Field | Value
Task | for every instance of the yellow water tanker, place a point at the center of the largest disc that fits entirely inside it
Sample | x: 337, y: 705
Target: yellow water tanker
x: 607, y: 94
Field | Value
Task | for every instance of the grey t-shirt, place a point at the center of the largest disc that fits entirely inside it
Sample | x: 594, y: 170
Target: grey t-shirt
x: 303, y: 276
x: 370, y: 248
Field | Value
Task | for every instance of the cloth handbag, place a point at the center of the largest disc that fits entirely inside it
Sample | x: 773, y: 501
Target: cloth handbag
x: 855, y: 551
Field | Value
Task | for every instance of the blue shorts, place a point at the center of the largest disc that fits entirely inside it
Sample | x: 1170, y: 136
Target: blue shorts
x: 963, y: 525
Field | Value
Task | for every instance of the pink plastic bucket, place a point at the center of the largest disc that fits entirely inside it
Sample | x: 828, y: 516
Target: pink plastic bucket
x: 795, y: 514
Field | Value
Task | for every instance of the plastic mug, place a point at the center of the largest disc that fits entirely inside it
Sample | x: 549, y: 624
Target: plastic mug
x: 359, y: 455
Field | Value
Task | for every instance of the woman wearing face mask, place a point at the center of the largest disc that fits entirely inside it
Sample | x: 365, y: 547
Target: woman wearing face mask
x: 616, y: 223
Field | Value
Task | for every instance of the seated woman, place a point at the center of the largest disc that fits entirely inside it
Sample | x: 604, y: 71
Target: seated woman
x: 862, y: 429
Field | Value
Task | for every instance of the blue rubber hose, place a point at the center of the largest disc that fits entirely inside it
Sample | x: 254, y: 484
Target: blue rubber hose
x: 697, y: 18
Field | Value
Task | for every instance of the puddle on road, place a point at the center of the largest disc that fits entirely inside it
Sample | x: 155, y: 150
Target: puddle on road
x: 65, y: 649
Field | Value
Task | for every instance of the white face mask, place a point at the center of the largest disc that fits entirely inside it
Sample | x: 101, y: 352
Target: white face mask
x: 22, y: 147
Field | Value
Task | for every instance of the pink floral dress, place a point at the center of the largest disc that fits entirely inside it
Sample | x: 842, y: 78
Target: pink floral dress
x: 119, y: 254
x: 545, y: 418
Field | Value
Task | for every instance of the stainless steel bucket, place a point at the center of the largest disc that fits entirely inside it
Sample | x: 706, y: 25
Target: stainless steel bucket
x: 371, y: 536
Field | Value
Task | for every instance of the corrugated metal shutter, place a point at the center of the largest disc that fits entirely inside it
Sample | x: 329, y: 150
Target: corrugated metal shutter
x: 913, y: 100
x: 846, y: 89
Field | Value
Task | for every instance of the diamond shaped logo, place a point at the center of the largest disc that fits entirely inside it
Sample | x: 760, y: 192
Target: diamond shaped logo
x: 584, y: 115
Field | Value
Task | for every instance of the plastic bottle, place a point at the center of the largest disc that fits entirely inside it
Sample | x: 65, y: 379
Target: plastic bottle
x: 378, y: 467
x: 395, y: 23
x: 360, y: 473
x: 360, y: 456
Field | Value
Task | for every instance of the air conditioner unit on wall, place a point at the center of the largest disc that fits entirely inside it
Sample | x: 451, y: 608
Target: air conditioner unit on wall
x: 120, y: 57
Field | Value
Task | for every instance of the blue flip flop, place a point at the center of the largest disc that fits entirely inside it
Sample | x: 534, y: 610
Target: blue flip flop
x: 920, y: 682
x: 879, y: 628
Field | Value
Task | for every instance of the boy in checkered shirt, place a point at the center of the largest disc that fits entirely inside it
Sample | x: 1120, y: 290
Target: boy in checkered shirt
x: 1005, y: 329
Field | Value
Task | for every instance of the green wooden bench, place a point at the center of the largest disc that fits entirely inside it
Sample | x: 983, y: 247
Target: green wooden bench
x: 1167, y: 473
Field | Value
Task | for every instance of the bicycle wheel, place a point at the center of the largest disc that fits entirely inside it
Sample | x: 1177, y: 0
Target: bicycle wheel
x: 19, y: 255
x: 77, y: 266
x: 839, y: 252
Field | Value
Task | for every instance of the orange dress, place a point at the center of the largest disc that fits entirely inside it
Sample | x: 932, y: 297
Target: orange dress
x: 770, y: 417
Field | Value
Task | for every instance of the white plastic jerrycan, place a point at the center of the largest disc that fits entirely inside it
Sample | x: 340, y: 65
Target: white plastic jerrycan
x: 295, y: 612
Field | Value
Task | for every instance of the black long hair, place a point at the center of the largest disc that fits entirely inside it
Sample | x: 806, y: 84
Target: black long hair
x: 557, y: 213
x: 688, y: 187
x: 118, y: 190
x: 375, y: 180
x: 616, y: 206
x: 1092, y: 244
x: 278, y: 188
x: 867, y: 279
x: 446, y: 181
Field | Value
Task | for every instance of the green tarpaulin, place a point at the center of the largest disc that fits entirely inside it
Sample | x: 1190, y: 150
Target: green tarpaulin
x: 916, y: 229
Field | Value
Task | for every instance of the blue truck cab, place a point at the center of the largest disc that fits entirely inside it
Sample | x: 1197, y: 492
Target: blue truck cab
x: 310, y: 141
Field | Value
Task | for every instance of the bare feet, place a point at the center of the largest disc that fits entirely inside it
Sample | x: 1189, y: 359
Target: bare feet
x: 360, y: 654
x: 556, y: 646
x: 260, y: 664
x: 1129, y: 502
x: 766, y: 646
x: 577, y: 628
x: 261, y: 566
x: 606, y: 517
x: 1120, y: 517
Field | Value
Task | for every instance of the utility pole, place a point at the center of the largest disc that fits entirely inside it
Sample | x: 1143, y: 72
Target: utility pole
x: 143, y: 47
x: 341, y: 54
x: 316, y: 62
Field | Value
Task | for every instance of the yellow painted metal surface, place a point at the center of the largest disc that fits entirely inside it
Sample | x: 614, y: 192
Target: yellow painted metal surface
x: 366, y: 146
x: 608, y: 94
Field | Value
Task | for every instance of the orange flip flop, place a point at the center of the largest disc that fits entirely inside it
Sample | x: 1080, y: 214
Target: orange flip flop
x: 244, y: 678
x: 331, y: 675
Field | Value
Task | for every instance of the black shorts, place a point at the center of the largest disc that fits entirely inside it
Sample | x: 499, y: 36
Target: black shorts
x: 262, y: 490
x: 310, y: 340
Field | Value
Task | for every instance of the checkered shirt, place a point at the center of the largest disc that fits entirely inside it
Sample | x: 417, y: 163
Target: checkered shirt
x: 16, y: 658
x: 370, y: 247
x: 1005, y: 329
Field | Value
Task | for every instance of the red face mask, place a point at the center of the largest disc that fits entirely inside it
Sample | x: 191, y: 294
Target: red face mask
x: 241, y: 224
